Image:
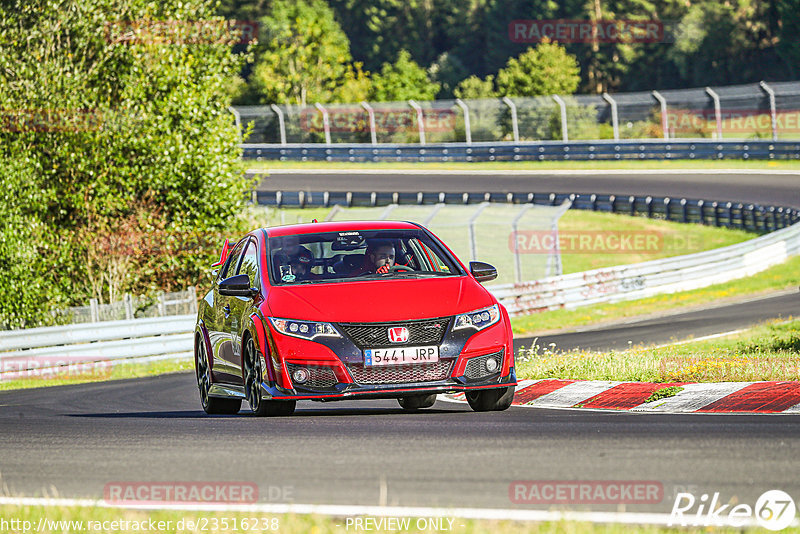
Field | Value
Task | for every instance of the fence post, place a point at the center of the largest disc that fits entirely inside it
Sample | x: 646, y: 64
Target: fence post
x: 614, y: 115
x: 372, y: 133
x: 193, y: 299
x: 717, y: 110
x: 281, y: 124
x: 473, y: 246
x: 664, y: 122
x: 238, y: 119
x: 326, y: 122
x: 563, y: 107
x: 772, y: 111
x: 420, y: 120
x: 162, y: 305
x: 467, y: 129
x: 95, y: 313
x: 514, y: 125
x: 127, y: 301
x: 514, y: 227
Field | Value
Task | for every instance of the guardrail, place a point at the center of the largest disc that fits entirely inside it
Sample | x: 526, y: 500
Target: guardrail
x: 50, y: 350
x: 528, y: 151
x: 751, y: 217
x: 627, y: 282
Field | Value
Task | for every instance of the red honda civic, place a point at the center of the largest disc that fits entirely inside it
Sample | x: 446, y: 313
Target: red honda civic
x: 350, y: 310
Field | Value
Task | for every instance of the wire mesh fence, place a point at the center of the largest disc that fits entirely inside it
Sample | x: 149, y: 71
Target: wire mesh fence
x: 481, y: 232
x: 751, y: 111
x: 131, y: 307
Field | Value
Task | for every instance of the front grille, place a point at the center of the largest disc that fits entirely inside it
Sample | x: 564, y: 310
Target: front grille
x: 476, y: 367
x: 376, y: 335
x: 399, y: 374
x: 319, y: 377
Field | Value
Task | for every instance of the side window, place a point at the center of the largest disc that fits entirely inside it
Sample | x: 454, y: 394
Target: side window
x: 249, y: 265
x: 229, y: 268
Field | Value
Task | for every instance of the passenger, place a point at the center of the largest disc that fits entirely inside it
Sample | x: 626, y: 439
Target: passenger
x: 298, y: 267
x: 302, y: 263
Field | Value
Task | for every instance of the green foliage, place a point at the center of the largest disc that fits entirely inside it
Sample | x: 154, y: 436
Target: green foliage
x: 305, y: 56
x: 448, y: 71
x: 707, y: 40
x: 108, y: 131
x: 402, y: 80
x: 545, y: 70
x: 789, y: 44
x: 473, y: 87
x: 664, y: 393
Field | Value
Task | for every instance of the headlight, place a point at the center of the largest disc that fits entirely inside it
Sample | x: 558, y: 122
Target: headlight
x: 304, y: 329
x: 478, y: 319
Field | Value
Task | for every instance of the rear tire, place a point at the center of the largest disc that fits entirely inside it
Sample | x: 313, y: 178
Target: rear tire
x: 491, y: 399
x: 252, y: 387
x: 416, y: 402
x: 211, y: 405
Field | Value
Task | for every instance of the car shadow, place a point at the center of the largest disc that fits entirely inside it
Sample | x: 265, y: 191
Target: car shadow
x: 301, y: 412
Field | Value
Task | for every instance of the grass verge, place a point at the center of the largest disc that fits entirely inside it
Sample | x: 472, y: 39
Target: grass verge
x: 770, y: 351
x: 534, y: 165
x: 782, y: 276
x: 96, y: 373
x: 57, y: 519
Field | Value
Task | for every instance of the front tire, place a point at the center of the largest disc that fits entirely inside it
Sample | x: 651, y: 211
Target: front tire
x: 491, y: 399
x: 211, y: 405
x: 416, y: 402
x: 252, y: 387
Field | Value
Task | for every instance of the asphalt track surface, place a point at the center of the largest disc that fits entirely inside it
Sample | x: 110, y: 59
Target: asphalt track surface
x: 73, y: 440
x: 76, y: 439
x: 762, y: 188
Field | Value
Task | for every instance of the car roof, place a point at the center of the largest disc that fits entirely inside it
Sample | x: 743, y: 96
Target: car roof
x: 338, y: 226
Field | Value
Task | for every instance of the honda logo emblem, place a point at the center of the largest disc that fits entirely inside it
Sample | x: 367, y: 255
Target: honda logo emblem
x: 398, y: 334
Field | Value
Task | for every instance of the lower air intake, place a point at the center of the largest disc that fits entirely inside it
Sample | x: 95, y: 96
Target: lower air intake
x: 401, y: 373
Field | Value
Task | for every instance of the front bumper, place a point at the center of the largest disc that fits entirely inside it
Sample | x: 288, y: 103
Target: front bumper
x: 337, y: 369
x: 387, y: 391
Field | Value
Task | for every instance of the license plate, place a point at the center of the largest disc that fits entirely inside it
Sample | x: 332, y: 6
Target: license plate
x: 401, y: 355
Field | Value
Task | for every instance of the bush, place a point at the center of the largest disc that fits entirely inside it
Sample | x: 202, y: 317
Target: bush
x: 110, y: 128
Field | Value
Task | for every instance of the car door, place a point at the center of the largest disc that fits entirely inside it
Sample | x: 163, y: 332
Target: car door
x: 240, y: 306
x: 221, y: 335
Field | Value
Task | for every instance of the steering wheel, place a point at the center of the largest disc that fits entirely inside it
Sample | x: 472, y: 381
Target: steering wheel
x: 400, y: 268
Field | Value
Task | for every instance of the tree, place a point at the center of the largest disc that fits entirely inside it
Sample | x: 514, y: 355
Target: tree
x: 305, y: 56
x: 402, y: 80
x: 474, y: 88
x: 789, y: 44
x: 99, y: 121
x: 545, y: 70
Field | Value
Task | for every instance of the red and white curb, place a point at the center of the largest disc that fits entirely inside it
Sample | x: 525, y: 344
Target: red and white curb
x: 721, y: 397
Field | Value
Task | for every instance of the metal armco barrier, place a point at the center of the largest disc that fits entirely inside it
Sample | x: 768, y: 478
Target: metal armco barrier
x: 23, y: 352
x: 627, y: 282
x: 750, y: 217
x: 526, y: 151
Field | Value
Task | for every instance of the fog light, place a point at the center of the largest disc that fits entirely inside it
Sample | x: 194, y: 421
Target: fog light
x: 492, y: 364
x: 300, y: 376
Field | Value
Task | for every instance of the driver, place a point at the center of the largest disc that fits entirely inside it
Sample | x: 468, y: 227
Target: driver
x: 379, y: 258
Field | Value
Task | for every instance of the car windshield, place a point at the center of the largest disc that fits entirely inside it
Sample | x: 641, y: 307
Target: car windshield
x: 358, y: 255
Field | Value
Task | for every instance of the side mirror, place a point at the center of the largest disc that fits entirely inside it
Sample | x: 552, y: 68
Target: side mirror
x: 237, y: 286
x: 483, y: 272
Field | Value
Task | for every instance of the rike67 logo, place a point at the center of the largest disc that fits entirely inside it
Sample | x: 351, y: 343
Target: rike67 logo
x: 774, y: 510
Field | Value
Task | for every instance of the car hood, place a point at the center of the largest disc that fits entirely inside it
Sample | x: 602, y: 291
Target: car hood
x: 378, y: 300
